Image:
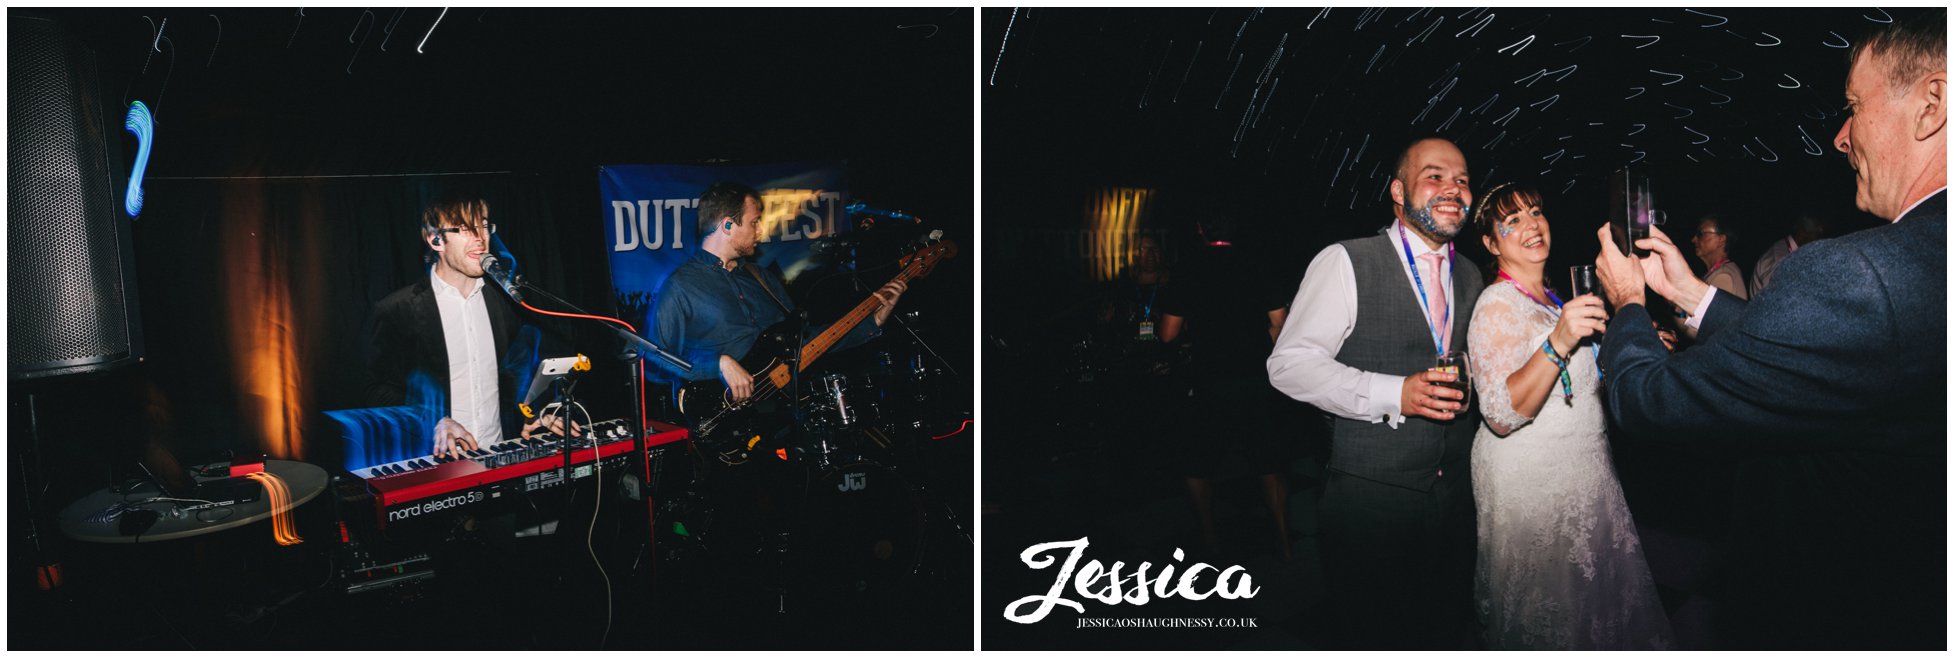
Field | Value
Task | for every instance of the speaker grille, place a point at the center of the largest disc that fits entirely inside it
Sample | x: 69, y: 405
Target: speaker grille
x: 68, y: 307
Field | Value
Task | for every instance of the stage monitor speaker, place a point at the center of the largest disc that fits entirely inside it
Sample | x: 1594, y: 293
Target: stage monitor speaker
x: 71, y: 295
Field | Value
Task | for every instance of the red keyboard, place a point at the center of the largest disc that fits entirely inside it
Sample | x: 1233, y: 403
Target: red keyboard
x: 424, y: 485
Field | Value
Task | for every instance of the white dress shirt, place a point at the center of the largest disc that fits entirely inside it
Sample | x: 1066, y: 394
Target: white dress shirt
x: 1304, y: 364
x: 473, y: 382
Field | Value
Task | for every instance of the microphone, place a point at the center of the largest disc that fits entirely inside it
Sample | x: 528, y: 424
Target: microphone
x: 859, y: 208
x: 499, y: 271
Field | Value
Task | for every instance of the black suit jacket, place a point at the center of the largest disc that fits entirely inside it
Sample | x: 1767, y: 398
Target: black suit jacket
x: 1832, y: 381
x: 407, y: 338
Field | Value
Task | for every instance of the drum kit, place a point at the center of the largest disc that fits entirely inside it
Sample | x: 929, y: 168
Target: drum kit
x: 836, y: 505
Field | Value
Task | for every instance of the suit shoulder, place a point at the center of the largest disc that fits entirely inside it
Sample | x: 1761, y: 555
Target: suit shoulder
x: 1910, y: 239
x: 400, y: 297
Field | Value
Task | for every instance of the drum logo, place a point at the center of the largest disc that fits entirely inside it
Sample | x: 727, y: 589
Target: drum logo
x: 853, y: 482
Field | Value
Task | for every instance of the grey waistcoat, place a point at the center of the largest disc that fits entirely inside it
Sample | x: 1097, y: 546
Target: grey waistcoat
x: 1392, y: 337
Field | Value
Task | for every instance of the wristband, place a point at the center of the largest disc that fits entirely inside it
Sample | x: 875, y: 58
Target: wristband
x: 1566, y: 383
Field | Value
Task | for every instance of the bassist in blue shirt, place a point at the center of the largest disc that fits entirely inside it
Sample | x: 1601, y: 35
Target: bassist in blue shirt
x: 715, y: 307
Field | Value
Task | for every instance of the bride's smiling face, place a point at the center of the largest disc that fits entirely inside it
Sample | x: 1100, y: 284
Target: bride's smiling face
x: 1521, y: 236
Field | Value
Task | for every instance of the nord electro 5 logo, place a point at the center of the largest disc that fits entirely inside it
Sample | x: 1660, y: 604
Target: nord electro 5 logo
x: 1107, y: 585
x: 436, y: 504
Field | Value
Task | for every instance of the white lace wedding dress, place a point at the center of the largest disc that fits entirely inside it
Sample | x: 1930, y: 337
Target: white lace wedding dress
x: 1560, y: 564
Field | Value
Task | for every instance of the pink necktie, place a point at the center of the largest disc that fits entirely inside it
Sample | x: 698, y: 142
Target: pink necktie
x: 1435, y: 287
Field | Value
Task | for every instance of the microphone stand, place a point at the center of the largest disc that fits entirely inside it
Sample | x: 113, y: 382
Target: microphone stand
x: 635, y: 340
x: 794, y: 381
x: 636, y: 347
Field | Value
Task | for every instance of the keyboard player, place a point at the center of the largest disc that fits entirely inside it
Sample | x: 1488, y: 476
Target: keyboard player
x: 443, y: 337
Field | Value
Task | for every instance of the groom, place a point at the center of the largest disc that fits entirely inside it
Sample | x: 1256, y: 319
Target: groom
x: 1395, y: 523
x: 1833, y: 379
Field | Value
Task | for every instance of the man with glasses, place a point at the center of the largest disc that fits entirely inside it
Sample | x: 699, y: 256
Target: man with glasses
x: 439, y: 341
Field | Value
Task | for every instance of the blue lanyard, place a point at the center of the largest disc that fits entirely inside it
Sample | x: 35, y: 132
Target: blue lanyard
x: 1556, y: 308
x: 1438, y: 338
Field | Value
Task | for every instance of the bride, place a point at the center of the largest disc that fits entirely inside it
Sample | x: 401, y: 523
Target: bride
x: 1560, y: 565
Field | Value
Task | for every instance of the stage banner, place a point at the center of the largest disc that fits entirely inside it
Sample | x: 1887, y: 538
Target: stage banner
x: 651, y: 219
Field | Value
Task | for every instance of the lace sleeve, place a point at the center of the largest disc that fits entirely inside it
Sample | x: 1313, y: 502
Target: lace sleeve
x: 1503, y: 337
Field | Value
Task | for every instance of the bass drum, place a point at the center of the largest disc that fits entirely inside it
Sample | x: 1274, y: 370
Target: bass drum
x: 859, y: 536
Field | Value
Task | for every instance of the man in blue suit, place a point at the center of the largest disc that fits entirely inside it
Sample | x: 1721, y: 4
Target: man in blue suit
x: 1832, y: 382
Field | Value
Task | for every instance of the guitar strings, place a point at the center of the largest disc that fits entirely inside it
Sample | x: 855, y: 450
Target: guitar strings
x: 765, y: 389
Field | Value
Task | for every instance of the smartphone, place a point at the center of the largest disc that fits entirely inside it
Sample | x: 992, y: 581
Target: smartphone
x: 1631, y: 209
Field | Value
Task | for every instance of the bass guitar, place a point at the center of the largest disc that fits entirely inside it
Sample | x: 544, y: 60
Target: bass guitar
x: 709, y: 405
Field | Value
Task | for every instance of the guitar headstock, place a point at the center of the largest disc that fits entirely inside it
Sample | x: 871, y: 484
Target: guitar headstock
x: 928, y: 252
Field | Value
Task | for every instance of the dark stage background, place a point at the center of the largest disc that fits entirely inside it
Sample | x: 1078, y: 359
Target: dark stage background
x: 294, y: 151
x: 1101, y: 126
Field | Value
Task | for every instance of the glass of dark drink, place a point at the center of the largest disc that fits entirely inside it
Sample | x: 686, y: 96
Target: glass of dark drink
x: 1455, y: 362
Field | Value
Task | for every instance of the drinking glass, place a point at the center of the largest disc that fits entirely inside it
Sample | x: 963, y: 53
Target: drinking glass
x: 1583, y: 281
x: 1455, y: 362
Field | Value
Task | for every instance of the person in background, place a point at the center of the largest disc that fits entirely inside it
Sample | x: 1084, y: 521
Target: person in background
x: 1220, y: 306
x: 1804, y: 230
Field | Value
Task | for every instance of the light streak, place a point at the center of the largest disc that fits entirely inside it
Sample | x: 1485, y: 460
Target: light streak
x: 1428, y: 31
x: 295, y: 28
x: 1811, y: 146
x: 1767, y: 148
x: 1156, y: 74
x: 1230, y: 84
x: 1654, y: 39
x: 214, y: 42
x: 1523, y: 43
x: 430, y: 31
x: 142, y: 124
x: 1721, y: 20
x: 1189, y: 69
x: 279, y: 496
